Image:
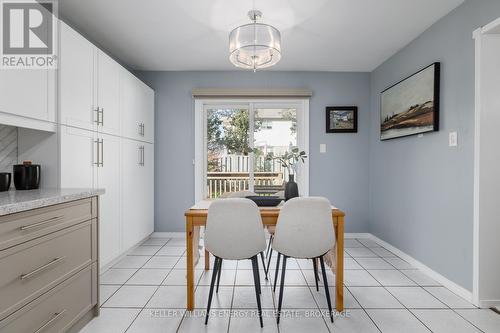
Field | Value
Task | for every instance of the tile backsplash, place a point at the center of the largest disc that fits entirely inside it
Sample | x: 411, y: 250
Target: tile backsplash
x: 8, y: 147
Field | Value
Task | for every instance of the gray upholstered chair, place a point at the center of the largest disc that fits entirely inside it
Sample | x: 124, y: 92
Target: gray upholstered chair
x: 304, y: 230
x: 234, y: 232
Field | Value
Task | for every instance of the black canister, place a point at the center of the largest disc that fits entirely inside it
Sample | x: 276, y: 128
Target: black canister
x: 4, y: 181
x: 27, y: 176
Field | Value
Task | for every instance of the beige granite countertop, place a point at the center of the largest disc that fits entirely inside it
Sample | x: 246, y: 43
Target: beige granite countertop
x: 19, y: 201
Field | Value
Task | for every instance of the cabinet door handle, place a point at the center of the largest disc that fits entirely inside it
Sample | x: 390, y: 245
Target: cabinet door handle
x: 54, y: 317
x: 102, y: 116
x: 142, y: 155
x: 41, y: 268
x: 39, y: 224
x: 97, y: 115
x: 98, y: 155
x: 102, y: 152
x: 143, y: 129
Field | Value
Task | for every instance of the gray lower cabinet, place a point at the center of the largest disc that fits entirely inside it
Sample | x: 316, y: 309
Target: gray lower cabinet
x: 49, y: 272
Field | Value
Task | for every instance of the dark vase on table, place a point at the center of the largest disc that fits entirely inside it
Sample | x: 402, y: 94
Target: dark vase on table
x: 291, y: 188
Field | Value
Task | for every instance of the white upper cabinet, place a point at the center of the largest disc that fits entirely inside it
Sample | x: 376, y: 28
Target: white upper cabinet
x: 28, y: 98
x: 76, y: 80
x: 27, y: 93
x: 108, y: 94
x: 137, y: 107
x: 148, y: 110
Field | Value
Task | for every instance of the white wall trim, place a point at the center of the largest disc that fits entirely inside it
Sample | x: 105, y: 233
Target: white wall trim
x: 485, y: 271
x: 199, y: 153
x: 157, y: 234
x: 182, y: 235
x: 351, y: 235
x: 114, y: 261
x: 477, y: 35
x: 251, y: 93
x: 486, y: 304
x: 460, y: 291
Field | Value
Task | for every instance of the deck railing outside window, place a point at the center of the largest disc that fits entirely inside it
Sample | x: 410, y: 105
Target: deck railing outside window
x: 232, y: 176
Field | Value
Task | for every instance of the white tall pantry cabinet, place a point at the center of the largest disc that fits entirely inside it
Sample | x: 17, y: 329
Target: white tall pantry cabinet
x: 107, y: 140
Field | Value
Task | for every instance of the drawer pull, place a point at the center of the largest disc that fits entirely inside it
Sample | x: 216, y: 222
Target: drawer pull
x: 41, y: 268
x: 39, y: 224
x: 54, y: 317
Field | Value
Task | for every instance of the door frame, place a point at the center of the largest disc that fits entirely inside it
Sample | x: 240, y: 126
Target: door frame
x: 200, y: 154
x: 481, y: 220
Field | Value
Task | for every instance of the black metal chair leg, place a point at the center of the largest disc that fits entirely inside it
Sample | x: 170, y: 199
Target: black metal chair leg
x: 218, y: 275
x: 316, y: 277
x: 258, y: 274
x: 269, y: 248
x: 263, y: 264
x: 256, y: 281
x: 327, y: 291
x: 282, y: 285
x: 277, y: 270
x: 212, y: 283
x: 269, y: 260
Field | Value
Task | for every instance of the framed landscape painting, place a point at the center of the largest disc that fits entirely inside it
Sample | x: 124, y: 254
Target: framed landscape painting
x: 411, y: 106
x: 341, y: 119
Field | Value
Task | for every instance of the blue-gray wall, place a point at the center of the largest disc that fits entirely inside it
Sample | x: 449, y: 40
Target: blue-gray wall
x: 421, y: 190
x: 341, y: 174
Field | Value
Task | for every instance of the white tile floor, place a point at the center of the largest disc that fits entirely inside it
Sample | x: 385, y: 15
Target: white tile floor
x: 145, y: 293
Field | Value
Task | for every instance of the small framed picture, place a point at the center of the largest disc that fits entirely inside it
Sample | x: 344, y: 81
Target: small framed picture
x: 341, y: 119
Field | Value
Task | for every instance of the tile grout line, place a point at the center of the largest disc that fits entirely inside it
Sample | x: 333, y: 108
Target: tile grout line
x: 232, y: 296
x: 364, y: 310
x: 407, y: 309
x: 460, y: 315
x: 135, y: 318
x: 307, y: 284
x: 157, y: 287
x: 315, y: 301
x: 362, y: 307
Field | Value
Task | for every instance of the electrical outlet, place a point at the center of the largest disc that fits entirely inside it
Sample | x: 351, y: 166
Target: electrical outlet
x: 322, y: 148
x: 453, y: 139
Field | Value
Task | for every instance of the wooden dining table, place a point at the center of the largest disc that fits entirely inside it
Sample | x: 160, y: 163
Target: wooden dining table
x: 196, y: 217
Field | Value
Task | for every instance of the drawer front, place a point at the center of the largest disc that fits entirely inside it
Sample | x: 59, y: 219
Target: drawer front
x: 30, y: 269
x: 22, y: 227
x: 57, y: 310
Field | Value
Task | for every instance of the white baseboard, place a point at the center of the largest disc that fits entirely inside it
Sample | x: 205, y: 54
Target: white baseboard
x: 350, y: 235
x: 182, y: 235
x: 460, y: 291
x: 168, y: 235
x: 490, y: 304
x: 121, y: 256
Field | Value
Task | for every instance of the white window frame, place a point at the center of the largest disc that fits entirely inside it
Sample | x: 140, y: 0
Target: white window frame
x: 200, y: 130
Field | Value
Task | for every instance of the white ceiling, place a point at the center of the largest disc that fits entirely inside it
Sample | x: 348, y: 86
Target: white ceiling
x: 317, y: 35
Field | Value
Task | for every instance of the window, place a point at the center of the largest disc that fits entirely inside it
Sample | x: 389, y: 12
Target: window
x: 235, y: 138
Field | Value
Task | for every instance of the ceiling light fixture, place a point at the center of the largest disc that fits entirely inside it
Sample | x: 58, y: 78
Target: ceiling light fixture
x: 255, y: 45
